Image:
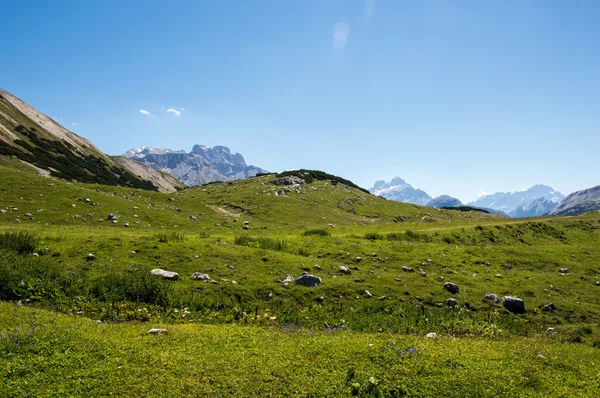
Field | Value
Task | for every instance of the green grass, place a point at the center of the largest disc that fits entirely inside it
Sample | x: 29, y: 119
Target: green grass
x: 275, y: 333
x: 57, y: 355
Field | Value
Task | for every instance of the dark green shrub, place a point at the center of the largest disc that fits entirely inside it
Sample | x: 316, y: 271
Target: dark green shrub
x: 316, y: 232
x: 374, y: 236
x: 137, y: 286
x: 21, y: 242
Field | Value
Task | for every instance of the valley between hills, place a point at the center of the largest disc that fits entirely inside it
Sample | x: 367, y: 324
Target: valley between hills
x: 116, y: 279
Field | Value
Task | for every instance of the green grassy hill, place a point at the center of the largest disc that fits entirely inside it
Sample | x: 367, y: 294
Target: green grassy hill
x: 50, y: 226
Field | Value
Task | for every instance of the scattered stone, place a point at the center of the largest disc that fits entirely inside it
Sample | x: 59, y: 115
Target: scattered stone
x: 126, y: 224
x: 540, y: 356
x: 423, y: 274
x: 398, y: 279
x: 200, y: 276
x: 246, y: 222
x: 35, y: 255
x: 2, y: 211
x: 428, y: 260
x: 358, y: 259
x: 563, y: 270
x: 172, y: 276
x: 90, y: 257
x: 597, y: 283
x: 320, y: 299
x: 287, y: 279
x: 193, y: 218
x: 358, y: 280
x: 317, y: 266
x: 112, y: 217
x: 498, y: 275
x: 451, y: 302
x: 332, y: 226
x: 486, y: 263
x: 513, y: 304
x: 230, y: 267
x: 345, y: 270
x: 451, y: 287
x: 245, y: 227
x: 431, y: 335
x: 507, y: 266
x: 549, y: 330
x: 441, y: 278
x: 308, y: 280
x: 368, y: 294
x: 549, y: 307
x: 381, y: 298
x: 157, y: 331
x: 171, y: 199
x: 491, y: 297
x: 87, y: 200
x: 407, y: 269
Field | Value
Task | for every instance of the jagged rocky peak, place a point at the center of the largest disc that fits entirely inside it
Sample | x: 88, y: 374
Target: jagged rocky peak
x: 397, y: 189
x: 200, y: 166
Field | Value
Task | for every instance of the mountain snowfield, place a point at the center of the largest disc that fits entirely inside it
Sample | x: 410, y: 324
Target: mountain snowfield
x: 399, y: 190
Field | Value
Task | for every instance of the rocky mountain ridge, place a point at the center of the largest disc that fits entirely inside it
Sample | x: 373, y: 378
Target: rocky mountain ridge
x: 578, y: 203
x: 39, y: 141
x: 399, y: 190
x: 200, y: 166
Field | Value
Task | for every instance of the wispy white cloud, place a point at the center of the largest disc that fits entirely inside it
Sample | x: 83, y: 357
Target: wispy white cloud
x: 174, y: 111
x: 145, y: 112
x: 74, y: 124
x: 183, y: 109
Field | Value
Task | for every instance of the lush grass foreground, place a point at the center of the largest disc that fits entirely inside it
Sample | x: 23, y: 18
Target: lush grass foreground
x: 46, y: 354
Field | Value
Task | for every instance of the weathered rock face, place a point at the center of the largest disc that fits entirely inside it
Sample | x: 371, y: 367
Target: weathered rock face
x: 173, y: 276
x: 578, y: 203
x: 309, y: 280
x: 444, y: 201
x: 513, y: 304
x: 289, y: 180
x: 201, y: 166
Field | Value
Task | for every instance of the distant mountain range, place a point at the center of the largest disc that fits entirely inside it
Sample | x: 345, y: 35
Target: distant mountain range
x: 522, y: 202
x: 200, y: 166
x: 535, y: 201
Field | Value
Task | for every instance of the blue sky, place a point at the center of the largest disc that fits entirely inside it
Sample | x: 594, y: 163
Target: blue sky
x: 456, y: 97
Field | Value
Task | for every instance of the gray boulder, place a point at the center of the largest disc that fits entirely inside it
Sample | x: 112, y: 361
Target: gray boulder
x: 407, y: 269
x: 563, y: 270
x: 200, y: 276
x: 451, y: 287
x: 491, y: 297
x: 451, y: 302
x: 513, y: 304
x: 112, y: 217
x: 172, y: 276
x: 309, y: 280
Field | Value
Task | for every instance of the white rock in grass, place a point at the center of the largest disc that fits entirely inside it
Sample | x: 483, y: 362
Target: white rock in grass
x: 200, y: 276
x: 157, y: 331
x: 431, y: 335
x: 173, y: 276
